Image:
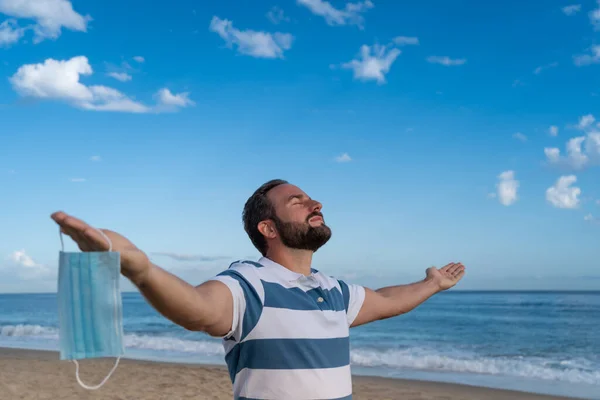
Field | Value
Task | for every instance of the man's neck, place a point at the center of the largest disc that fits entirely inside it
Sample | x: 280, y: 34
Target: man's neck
x: 295, y: 260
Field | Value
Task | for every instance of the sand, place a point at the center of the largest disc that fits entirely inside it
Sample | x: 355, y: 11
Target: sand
x: 40, y: 375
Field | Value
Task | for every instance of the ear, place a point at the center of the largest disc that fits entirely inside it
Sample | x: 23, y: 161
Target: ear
x: 267, y: 228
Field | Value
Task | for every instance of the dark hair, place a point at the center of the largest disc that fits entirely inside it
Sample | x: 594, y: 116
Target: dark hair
x: 258, y: 207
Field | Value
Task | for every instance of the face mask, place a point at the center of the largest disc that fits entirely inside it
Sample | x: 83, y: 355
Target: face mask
x: 89, y: 307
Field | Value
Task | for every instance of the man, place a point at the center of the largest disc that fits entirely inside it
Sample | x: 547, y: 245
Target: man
x: 285, y: 325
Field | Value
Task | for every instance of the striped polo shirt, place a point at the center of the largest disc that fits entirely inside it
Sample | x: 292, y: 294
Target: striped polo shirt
x: 290, y: 333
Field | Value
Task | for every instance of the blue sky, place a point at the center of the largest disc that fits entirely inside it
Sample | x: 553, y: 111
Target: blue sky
x: 431, y: 131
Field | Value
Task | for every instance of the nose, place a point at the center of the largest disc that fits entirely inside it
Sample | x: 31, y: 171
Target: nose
x: 316, y: 206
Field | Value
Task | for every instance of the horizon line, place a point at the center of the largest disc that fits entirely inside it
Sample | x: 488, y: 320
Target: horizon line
x: 446, y: 291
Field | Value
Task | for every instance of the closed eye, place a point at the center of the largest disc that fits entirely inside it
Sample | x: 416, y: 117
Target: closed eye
x: 296, y: 199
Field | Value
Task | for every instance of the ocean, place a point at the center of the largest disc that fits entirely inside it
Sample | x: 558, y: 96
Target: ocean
x: 542, y: 342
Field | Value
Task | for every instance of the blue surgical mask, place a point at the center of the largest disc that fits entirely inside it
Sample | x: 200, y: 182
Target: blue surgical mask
x: 89, y: 307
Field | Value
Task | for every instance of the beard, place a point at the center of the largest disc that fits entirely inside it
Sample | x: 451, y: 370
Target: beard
x: 302, y: 236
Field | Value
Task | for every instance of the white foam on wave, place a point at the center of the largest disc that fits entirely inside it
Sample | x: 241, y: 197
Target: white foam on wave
x: 569, y: 370
x: 167, y: 343
x: 518, y: 366
x: 143, y: 342
x: 29, y: 330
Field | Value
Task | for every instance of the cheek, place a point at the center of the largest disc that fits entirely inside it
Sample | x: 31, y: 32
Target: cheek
x: 294, y: 214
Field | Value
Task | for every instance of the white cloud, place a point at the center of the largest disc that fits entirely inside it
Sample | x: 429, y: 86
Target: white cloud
x: 10, y: 32
x: 552, y: 154
x: 406, y: 40
x: 581, y: 151
x: 538, y: 70
x: 139, y: 59
x: 553, y: 131
x: 77, y: 179
x: 446, y: 61
x: 562, y: 194
x: 507, y: 188
x: 350, y: 15
x: 373, y: 66
x: 277, y: 16
x: 593, y: 57
x: 95, y: 158
x: 594, y: 16
x: 258, y: 44
x: 166, y: 98
x: 590, y: 218
x: 572, y: 9
x: 575, y: 156
x: 343, y: 158
x: 60, y: 80
x: 26, y: 267
x: 120, y: 76
x: 585, y: 121
x: 520, y: 136
x: 21, y: 258
x: 50, y: 16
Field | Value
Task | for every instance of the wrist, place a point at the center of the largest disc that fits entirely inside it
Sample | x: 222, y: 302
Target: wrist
x: 434, y: 286
x: 139, y: 278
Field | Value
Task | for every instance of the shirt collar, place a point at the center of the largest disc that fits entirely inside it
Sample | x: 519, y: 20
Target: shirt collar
x: 282, y: 271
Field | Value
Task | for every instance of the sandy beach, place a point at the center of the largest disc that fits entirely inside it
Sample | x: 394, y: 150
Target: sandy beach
x: 40, y: 375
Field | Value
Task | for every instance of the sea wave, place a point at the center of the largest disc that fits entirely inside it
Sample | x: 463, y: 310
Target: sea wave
x: 576, y: 370
x: 169, y: 343
x: 21, y: 330
x: 573, y: 371
x: 131, y: 340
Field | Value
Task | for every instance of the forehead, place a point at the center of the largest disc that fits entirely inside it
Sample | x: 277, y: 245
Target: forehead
x: 280, y: 194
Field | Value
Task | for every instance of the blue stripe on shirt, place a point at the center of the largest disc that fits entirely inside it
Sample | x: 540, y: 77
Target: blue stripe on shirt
x: 278, y: 296
x: 257, y: 265
x: 289, y: 354
x: 345, y: 293
x: 253, y: 304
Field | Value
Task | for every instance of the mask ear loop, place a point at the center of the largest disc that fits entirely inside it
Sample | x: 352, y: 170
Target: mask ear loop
x: 83, y: 385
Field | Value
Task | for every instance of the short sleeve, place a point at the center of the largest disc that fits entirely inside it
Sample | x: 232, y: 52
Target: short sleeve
x: 247, y: 294
x: 354, y: 297
x: 239, y: 303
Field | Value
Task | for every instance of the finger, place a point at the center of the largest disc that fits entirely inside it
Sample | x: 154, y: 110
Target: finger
x: 95, y: 239
x: 73, y: 234
x: 446, y: 267
x: 459, y: 270
x: 69, y: 222
x: 86, y: 236
x: 78, y: 237
x: 83, y: 242
x: 459, y: 275
x: 455, y: 268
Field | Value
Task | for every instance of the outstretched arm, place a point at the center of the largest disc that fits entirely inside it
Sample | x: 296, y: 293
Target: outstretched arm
x: 391, y: 301
x: 207, y: 307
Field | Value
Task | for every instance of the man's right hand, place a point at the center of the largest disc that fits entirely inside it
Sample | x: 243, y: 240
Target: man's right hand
x: 134, y: 262
x: 207, y: 307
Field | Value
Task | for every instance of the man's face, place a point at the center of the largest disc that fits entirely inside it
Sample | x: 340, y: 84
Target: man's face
x: 298, y: 218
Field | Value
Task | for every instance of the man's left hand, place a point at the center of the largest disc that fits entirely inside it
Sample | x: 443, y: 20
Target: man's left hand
x: 447, y: 276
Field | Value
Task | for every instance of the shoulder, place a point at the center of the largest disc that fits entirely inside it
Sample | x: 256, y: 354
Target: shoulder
x: 247, y: 275
x: 244, y: 266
